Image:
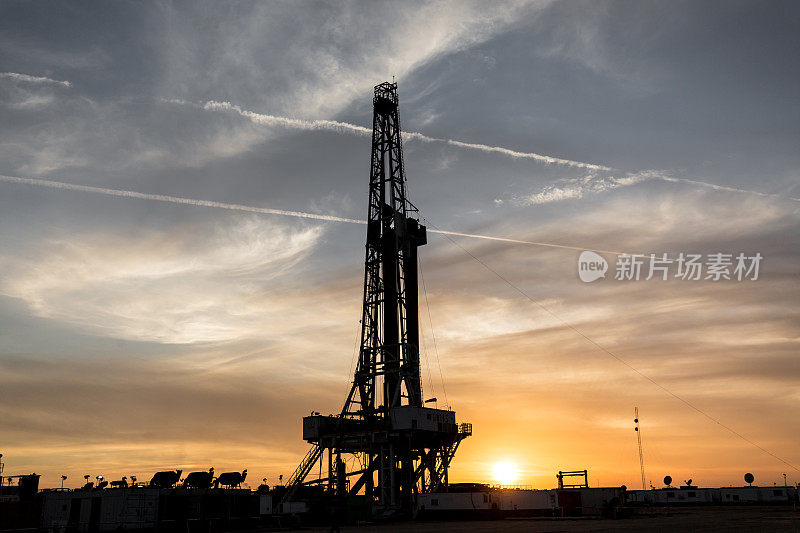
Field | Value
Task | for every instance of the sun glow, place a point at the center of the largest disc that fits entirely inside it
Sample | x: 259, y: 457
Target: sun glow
x: 505, y: 473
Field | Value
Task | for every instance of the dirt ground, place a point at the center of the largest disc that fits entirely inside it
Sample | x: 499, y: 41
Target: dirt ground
x: 745, y: 518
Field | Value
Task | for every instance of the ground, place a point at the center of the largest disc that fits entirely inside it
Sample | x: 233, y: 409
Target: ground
x: 745, y: 518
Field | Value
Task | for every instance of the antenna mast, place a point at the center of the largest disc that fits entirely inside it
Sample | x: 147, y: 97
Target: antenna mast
x: 639, y: 439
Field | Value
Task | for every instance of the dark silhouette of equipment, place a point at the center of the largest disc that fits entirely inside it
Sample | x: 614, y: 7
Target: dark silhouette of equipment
x: 574, y: 473
x: 398, y: 447
x: 231, y: 479
x: 102, y: 485
x: 199, y: 480
x: 165, y: 479
x: 749, y: 478
x: 121, y: 483
x: 27, y: 485
x: 88, y: 486
x: 668, y: 480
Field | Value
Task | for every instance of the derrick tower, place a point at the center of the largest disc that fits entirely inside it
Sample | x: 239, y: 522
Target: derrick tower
x: 384, y: 443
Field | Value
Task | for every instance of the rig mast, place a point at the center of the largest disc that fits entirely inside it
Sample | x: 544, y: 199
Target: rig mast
x: 398, y: 448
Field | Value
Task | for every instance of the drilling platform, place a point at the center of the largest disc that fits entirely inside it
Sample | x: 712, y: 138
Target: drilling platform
x: 385, y: 443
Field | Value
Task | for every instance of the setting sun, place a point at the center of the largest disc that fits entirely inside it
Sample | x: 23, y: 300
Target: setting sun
x: 505, y: 473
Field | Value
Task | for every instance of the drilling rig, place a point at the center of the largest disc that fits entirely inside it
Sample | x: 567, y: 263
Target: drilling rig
x: 385, y: 443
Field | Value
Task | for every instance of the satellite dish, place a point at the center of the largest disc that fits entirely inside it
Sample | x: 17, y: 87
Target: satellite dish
x: 667, y: 480
x: 748, y: 477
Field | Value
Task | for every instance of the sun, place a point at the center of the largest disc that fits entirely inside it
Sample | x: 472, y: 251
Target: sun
x: 505, y: 473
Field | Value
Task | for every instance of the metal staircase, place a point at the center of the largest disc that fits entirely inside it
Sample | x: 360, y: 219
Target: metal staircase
x: 302, y: 471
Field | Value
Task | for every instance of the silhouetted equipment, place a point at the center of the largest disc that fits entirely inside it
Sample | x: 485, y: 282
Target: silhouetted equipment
x: 27, y: 485
x: 88, y: 486
x: 102, y: 484
x: 165, y: 479
x: 199, y: 480
x: 667, y: 480
x: 688, y: 482
x: 122, y: 483
x: 231, y: 479
x: 749, y: 478
x: 639, y: 440
x: 398, y: 447
x: 573, y: 473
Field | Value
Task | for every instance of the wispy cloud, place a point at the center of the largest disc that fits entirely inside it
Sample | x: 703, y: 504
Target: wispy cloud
x: 177, y: 286
x: 27, y: 78
x: 570, y: 188
x: 574, y: 188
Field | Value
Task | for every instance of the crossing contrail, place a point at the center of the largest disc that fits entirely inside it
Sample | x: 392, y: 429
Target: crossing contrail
x: 346, y: 127
x: 121, y: 193
x: 548, y: 195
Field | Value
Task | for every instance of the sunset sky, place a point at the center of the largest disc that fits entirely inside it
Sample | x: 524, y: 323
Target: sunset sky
x: 139, y: 335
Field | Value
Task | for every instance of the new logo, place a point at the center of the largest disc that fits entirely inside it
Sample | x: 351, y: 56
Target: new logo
x: 591, y: 266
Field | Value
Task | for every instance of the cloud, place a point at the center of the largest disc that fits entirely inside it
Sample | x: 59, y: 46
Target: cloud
x: 573, y: 188
x: 28, y: 92
x: 576, y: 188
x: 183, y: 286
x: 326, y: 68
x: 736, y: 339
x: 145, y: 348
x: 26, y: 78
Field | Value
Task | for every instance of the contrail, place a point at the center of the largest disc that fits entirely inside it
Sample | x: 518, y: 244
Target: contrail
x: 173, y: 199
x: 517, y: 241
x: 121, y: 193
x: 548, y: 195
x: 345, y: 127
x: 273, y: 120
x: 722, y: 187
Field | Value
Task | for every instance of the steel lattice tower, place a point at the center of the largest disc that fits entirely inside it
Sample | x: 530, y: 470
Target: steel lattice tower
x: 401, y: 448
x: 389, y: 323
